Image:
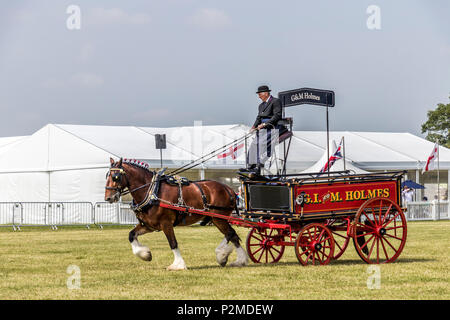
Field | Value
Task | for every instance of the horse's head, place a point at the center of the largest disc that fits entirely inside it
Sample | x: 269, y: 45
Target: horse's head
x: 116, y: 181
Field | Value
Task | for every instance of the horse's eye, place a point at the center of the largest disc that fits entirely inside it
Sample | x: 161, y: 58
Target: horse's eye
x: 115, y: 177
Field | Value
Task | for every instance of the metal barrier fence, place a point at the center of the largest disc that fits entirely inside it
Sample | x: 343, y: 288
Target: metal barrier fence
x: 427, y: 210
x: 118, y: 213
x: 55, y: 214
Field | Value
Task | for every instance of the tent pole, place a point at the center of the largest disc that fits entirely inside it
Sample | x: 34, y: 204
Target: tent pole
x: 418, y: 191
x: 343, y: 146
x: 438, y: 192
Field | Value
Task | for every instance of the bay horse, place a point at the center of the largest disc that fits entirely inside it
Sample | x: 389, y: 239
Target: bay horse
x: 137, y: 178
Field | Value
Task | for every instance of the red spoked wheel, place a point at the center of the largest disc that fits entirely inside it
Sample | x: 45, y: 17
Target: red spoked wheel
x: 263, y: 246
x: 379, y: 231
x: 314, y: 245
x: 339, y: 229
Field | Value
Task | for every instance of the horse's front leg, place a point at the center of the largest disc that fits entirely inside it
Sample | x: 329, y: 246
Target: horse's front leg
x: 178, y: 262
x: 139, y: 250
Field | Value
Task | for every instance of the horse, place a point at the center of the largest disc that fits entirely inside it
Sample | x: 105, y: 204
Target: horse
x: 137, y: 178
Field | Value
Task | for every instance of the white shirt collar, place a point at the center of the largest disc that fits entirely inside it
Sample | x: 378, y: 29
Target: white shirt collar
x: 268, y: 98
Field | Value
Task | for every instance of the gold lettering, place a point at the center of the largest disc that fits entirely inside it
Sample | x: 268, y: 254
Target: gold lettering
x: 386, y: 193
x: 348, y: 196
x: 307, y: 199
x: 335, y: 197
x: 316, y: 198
x: 363, y: 195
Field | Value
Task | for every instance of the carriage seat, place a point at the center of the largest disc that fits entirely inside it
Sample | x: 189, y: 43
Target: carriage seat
x: 285, y: 133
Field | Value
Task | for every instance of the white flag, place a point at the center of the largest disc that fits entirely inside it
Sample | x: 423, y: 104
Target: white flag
x: 430, y: 161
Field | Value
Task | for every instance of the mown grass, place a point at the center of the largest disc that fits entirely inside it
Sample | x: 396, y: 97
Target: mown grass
x: 34, y: 261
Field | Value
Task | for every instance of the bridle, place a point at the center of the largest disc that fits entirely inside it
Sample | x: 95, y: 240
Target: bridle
x: 116, y: 174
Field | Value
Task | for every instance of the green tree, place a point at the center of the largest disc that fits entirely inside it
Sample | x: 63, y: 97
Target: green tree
x: 437, y: 126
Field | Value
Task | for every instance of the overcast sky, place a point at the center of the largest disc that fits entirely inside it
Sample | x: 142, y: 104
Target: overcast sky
x: 169, y: 63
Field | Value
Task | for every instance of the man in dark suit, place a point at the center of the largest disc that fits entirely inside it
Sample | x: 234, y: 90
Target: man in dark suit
x: 269, y: 113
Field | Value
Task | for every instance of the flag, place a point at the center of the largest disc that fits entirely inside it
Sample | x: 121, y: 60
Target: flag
x: 430, y: 161
x: 231, y: 151
x: 336, y: 156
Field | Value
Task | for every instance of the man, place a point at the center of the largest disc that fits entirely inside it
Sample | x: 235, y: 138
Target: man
x: 407, y: 194
x: 269, y: 113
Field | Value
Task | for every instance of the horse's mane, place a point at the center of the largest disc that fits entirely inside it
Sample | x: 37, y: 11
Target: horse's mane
x: 137, y: 163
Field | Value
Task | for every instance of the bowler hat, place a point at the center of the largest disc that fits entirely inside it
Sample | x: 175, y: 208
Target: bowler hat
x: 263, y: 89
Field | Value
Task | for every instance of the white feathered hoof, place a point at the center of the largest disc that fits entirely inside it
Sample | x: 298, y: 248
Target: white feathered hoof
x: 178, y: 262
x: 173, y: 267
x: 242, y: 258
x: 141, y: 251
x: 145, y: 255
x: 222, y: 254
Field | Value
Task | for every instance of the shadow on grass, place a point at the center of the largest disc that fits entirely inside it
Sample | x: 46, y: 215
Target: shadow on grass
x: 398, y: 261
x: 296, y: 263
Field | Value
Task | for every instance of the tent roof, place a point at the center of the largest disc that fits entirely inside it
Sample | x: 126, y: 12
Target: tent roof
x: 65, y: 146
x: 8, y: 142
x: 338, y: 164
x: 380, y: 150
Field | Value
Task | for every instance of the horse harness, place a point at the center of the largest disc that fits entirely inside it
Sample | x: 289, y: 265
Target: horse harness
x: 151, y: 198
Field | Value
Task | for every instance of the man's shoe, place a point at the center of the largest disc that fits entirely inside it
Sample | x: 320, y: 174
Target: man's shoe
x: 250, y: 168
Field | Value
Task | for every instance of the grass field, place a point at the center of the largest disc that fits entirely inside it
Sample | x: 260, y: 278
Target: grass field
x: 34, y: 262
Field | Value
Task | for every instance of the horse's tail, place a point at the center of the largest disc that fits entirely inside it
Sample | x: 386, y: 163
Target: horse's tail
x: 234, y: 204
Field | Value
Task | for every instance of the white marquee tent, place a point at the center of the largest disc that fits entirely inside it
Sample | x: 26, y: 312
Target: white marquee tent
x: 339, y: 165
x: 69, y: 162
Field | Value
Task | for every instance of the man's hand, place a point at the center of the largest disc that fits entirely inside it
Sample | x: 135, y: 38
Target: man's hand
x: 262, y: 125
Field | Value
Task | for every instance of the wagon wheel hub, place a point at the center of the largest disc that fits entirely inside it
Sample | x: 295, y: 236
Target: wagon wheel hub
x: 381, y: 232
x: 266, y: 243
x: 315, y: 246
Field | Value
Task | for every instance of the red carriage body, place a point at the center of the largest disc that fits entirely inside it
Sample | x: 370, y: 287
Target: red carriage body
x: 323, y: 214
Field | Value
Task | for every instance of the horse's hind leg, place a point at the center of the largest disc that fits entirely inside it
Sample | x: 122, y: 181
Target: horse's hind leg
x: 224, y: 249
x: 139, y: 250
x: 178, y: 262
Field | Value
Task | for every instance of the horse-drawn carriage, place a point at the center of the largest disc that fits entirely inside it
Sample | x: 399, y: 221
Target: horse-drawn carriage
x: 316, y: 213
x: 319, y: 216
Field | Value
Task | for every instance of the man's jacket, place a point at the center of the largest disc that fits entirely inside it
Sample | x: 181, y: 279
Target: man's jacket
x: 269, y: 110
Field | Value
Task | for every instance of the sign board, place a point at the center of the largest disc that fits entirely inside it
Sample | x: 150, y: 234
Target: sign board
x: 160, y: 141
x: 307, y: 96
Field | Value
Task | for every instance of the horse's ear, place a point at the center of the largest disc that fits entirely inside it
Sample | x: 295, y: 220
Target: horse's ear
x: 120, y: 162
x: 111, y: 160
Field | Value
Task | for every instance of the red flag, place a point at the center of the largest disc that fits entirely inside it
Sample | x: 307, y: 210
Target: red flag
x: 430, y: 161
x: 232, y: 151
x: 336, y: 156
